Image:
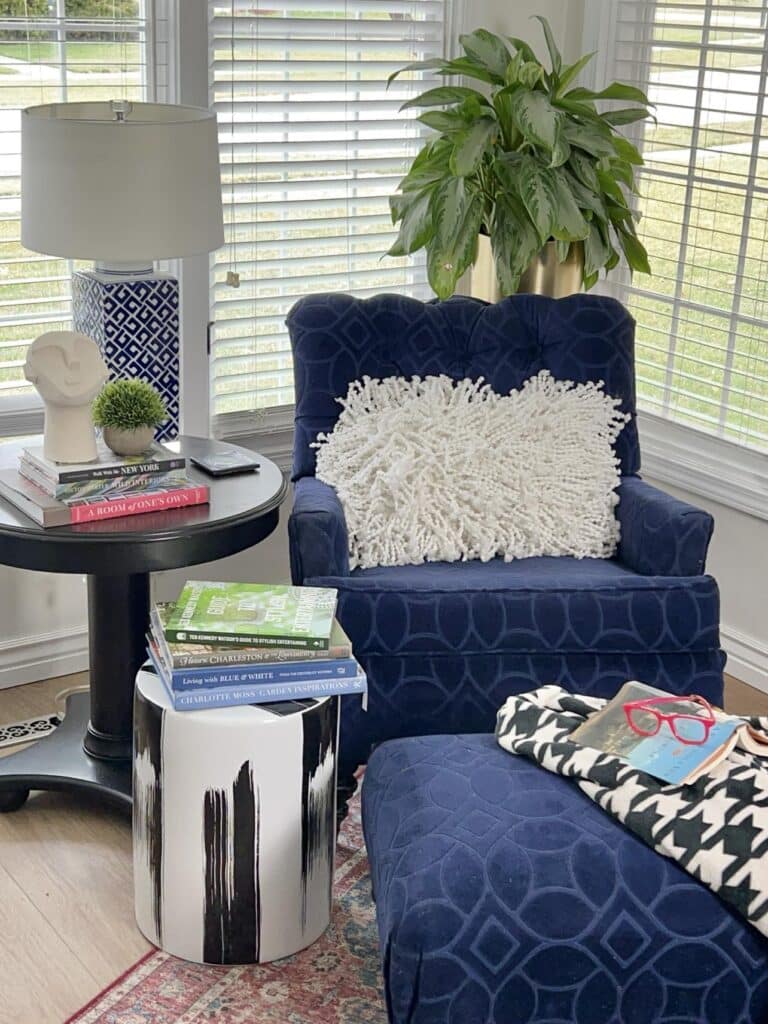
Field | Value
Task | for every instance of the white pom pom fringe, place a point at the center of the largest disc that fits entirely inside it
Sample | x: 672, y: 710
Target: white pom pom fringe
x: 436, y: 470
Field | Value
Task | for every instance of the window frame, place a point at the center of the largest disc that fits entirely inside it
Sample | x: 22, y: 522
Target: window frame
x: 271, y: 429
x: 673, y: 453
x: 23, y: 414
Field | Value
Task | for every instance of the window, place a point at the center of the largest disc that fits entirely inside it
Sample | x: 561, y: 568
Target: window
x: 312, y: 146
x: 702, y: 356
x: 57, y: 50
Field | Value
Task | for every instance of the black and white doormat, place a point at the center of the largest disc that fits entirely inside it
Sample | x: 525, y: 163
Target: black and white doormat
x: 29, y: 729
x: 716, y: 828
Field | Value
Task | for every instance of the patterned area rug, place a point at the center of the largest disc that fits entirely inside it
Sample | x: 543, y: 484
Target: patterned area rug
x: 335, y: 981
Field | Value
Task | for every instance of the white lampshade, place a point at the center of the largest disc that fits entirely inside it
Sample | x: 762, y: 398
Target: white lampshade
x: 120, y: 182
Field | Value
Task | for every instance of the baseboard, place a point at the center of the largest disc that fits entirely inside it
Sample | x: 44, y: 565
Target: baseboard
x: 747, y: 657
x: 28, y: 659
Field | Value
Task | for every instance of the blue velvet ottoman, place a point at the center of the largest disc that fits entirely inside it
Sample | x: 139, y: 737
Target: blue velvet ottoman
x: 504, y: 895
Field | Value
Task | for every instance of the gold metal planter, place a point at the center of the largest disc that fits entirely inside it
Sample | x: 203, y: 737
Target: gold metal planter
x: 545, y: 276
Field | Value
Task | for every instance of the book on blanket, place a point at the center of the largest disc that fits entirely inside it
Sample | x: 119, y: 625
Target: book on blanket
x: 675, y: 739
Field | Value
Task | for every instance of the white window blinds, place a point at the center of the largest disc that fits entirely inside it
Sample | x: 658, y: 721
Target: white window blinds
x: 702, y: 318
x: 312, y: 146
x: 50, y: 51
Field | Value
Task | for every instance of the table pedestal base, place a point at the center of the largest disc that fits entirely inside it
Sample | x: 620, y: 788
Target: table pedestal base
x: 118, y: 619
x: 91, y: 749
x: 59, y: 762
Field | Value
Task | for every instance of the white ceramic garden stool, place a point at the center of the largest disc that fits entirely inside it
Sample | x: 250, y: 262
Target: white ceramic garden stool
x: 234, y: 825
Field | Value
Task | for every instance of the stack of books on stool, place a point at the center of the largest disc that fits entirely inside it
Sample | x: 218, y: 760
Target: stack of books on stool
x: 224, y: 644
x: 60, y: 494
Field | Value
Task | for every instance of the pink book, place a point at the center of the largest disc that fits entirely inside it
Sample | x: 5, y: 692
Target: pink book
x: 114, y: 500
x: 135, y: 504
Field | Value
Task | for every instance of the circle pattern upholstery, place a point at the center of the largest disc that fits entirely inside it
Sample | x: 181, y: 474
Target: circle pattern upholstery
x: 504, y: 895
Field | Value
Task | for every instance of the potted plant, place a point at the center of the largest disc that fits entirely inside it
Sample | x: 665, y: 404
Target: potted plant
x: 528, y: 169
x: 128, y: 411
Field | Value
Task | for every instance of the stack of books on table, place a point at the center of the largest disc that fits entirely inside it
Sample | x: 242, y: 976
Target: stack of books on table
x: 59, y: 494
x: 223, y: 644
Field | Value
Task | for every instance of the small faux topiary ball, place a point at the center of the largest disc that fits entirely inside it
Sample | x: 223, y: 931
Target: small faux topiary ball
x: 128, y: 412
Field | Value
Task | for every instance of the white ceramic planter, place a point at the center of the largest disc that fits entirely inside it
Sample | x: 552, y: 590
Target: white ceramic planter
x: 128, y: 442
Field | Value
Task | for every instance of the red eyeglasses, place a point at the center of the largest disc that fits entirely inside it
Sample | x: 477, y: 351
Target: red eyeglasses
x: 645, y: 718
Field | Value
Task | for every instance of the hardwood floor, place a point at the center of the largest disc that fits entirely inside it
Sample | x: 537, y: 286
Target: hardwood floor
x: 66, y: 891
x: 66, y: 896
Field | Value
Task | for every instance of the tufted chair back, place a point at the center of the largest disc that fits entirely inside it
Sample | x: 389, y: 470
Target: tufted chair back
x: 337, y: 339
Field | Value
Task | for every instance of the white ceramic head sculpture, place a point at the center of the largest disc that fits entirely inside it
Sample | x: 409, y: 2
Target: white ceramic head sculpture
x: 68, y: 371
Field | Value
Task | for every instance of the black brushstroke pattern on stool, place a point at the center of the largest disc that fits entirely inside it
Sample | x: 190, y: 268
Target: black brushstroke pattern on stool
x: 232, y: 901
x: 318, y: 832
x: 148, y: 804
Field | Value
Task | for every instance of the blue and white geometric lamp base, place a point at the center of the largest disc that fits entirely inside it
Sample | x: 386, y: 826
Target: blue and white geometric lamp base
x: 135, y: 322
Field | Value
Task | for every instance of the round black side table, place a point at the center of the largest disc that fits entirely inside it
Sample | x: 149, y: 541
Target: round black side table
x: 91, y: 749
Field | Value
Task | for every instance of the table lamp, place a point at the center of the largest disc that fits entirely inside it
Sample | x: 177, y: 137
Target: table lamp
x: 123, y: 184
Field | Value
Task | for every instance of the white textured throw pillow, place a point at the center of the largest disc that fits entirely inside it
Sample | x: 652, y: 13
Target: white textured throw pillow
x: 436, y: 470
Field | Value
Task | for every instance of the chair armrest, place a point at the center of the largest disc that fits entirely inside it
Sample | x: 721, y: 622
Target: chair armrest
x: 661, y: 535
x: 317, y: 532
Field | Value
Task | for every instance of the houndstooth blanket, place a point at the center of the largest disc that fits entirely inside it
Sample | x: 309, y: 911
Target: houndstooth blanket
x: 716, y: 828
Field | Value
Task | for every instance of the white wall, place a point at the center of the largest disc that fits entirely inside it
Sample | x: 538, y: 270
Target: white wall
x: 267, y: 561
x: 515, y: 19
x: 738, y: 559
x: 42, y: 625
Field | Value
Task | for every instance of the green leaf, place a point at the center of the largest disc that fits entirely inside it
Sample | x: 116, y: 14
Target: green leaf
x: 590, y: 280
x: 444, y: 95
x: 513, y: 69
x: 569, y: 224
x: 590, y: 138
x: 442, y: 120
x: 627, y: 115
x: 554, y: 53
x: 611, y: 187
x: 429, y: 165
x: 585, y: 111
x: 398, y: 204
x: 535, y: 117
x: 622, y: 170
x: 502, y: 104
x: 538, y: 190
x: 585, y: 169
x: 514, y: 242
x: 457, y: 216
x: 627, y: 151
x: 619, y: 215
x: 561, y: 151
x: 573, y: 71
x: 418, y: 65
x: 470, y: 145
x: 634, y: 250
x: 586, y: 198
x: 613, y: 259
x: 597, y: 251
x: 562, y: 249
x: 615, y: 91
x: 416, y: 228
x: 471, y: 69
x: 522, y: 47
x: 487, y: 48
x: 531, y: 73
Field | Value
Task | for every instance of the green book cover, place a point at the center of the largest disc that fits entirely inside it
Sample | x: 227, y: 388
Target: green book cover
x: 198, y: 655
x: 265, y: 614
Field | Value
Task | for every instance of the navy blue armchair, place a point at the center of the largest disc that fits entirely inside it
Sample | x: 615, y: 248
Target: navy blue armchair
x: 444, y: 644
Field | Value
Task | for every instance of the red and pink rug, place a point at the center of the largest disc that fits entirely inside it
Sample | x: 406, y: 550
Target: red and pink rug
x: 335, y: 981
